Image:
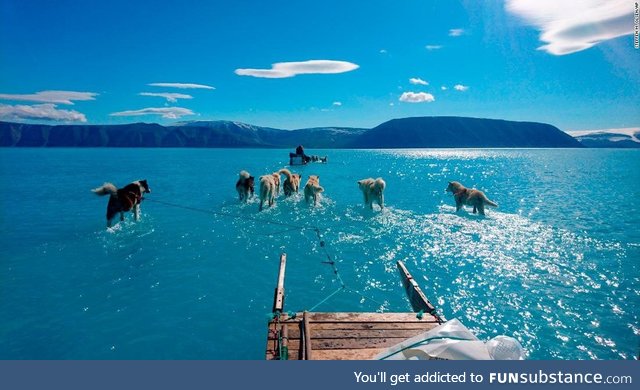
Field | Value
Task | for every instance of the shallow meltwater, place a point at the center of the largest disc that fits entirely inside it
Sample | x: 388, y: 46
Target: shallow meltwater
x: 555, y: 265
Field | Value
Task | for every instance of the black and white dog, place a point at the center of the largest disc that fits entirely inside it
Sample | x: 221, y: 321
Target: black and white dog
x: 123, y: 199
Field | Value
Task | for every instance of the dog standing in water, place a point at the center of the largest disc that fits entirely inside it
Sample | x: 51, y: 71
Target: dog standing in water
x: 245, y: 186
x: 123, y: 199
x: 372, y: 190
x: 268, y: 189
x: 469, y: 197
x: 292, y: 182
x: 312, y: 189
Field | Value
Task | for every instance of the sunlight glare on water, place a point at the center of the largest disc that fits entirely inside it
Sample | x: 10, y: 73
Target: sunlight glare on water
x: 555, y: 265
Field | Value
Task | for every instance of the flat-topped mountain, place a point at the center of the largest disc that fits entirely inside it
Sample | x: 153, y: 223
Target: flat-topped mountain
x: 459, y: 132
x: 420, y: 132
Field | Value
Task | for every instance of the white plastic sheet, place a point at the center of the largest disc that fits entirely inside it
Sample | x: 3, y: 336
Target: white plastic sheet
x: 453, y: 341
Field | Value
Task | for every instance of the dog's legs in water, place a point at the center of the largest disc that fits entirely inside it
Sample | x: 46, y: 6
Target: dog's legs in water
x: 381, y: 201
x: 121, y: 216
x: 474, y: 209
x: 458, y: 206
x: 261, y: 202
x: 136, y: 212
x: 480, y: 209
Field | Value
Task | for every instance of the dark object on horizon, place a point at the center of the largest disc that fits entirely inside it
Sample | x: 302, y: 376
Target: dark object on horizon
x: 421, y: 132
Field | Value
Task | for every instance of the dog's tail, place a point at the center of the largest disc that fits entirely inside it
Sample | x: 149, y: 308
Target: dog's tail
x: 244, y: 175
x: 107, y: 188
x: 488, y: 202
x: 379, y: 185
x: 286, y: 172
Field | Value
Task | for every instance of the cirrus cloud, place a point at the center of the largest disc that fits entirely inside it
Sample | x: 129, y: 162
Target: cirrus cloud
x: 291, y: 69
x: 417, y: 97
x: 570, y: 26
x: 171, y: 97
x: 46, y: 111
x: 456, y: 32
x: 55, y: 97
x: 182, y: 85
x: 433, y: 47
x: 460, y: 87
x: 164, y: 112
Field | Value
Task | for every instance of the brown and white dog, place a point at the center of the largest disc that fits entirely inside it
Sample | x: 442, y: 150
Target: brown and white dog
x: 469, y: 197
x: 245, y: 186
x: 268, y: 189
x: 312, y: 189
x: 292, y: 182
x: 372, y: 190
x: 124, y: 199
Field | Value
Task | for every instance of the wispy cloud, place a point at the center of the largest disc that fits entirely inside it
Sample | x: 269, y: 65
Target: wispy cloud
x: 182, y: 85
x: 433, y: 47
x: 417, y: 81
x: 460, y: 87
x: 165, y: 112
x: 383, y: 51
x: 570, y: 26
x: 417, y: 97
x: 55, y: 97
x: 444, y: 88
x: 291, y: 69
x: 47, y: 111
x: 171, y: 97
x: 337, y: 104
x: 456, y: 32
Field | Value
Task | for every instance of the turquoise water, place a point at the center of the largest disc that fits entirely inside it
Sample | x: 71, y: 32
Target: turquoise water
x: 556, y: 265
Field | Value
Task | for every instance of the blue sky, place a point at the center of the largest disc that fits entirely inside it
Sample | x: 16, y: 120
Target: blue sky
x: 571, y: 64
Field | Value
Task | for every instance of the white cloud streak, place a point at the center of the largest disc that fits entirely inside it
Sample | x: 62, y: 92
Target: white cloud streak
x: 417, y: 97
x: 46, y: 111
x: 181, y: 85
x: 460, y: 87
x: 337, y: 104
x: 433, y: 47
x: 456, y: 32
x: 171, y: 97
x: 443, y: 88
x: 55, y: 97
x: 165, y: 112
x: 417, y: 81
x: 291, y: 69
x: 571, y: 26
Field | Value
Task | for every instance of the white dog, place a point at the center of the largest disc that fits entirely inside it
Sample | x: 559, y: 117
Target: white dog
x: 372, y: 190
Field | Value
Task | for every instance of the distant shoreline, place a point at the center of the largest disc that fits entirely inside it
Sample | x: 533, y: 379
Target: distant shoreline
x: 418, y: 132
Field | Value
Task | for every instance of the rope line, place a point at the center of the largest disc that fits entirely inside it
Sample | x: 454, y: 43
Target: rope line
x: 327, y: 298
x: 291, y: 227
x: 226, y: 214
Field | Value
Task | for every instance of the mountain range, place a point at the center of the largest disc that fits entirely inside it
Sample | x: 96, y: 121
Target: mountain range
x: 418, y: 132
x: 628, y: 138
